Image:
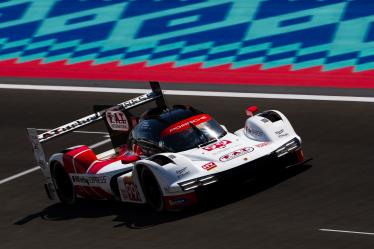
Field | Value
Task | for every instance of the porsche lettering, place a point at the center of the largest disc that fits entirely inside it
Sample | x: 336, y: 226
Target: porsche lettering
x: 185, y: 124
x: 181, y: 126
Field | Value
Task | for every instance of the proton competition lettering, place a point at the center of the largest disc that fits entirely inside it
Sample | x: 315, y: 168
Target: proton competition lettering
x: 219, y: 145
x: 94, y: 117
x: 117, y: 120
x: 185, y: 124
x: 72, y: 125
x: 209, y: 166
x: 236, y: 154
x: 182, y: 172
x: 88, y: 180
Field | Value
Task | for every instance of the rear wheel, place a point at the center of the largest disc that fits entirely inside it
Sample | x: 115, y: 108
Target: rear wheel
x: 64, y: 186
x: 152, y: 190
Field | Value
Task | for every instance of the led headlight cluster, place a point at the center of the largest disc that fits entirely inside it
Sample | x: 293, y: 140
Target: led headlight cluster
x: 288, y: 147
x: 194, y: 183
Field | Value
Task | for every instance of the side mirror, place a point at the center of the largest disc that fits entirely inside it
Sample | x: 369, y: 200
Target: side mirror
x: 252, y: 110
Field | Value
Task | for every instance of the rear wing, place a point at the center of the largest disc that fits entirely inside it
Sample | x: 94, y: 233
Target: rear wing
x: 155, y: 95
x: 37, y: 139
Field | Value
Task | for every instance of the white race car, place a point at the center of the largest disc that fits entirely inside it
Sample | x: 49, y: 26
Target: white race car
x: 165, y: 156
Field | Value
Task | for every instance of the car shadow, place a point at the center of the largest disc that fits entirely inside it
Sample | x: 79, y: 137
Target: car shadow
x: 137, y: 216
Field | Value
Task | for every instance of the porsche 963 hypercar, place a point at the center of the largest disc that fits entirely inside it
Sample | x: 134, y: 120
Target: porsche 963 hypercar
x: 164, y: 156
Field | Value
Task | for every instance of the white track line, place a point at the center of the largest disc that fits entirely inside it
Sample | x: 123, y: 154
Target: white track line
x: 99, y: 143
x: 189, y: 93
x: 37, y: 167
x: 344, y: 231
x: 19, y: 174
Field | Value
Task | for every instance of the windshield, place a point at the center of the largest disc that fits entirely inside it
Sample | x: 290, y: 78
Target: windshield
x: 190, y: 133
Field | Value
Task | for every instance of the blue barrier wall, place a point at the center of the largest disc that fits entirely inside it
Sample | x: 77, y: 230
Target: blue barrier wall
x: 302, y: 33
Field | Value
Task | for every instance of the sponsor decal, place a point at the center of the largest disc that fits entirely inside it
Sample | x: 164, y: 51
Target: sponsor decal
x: 260, y: 145
x: 177, y: 201
x: 117, y: 120
x: 255, y: 132
x: 182, y: 172
x: 130, y: 191
x: 39, y: 154
x: 281, y: 133
x: 265, y: 120
x: 185, y: 124
x: 88, y: 180
x: 79, y: 179
x: 172, y: 156
x: 219, y: 145
x: 37, y: 149
x: 135, y: 101
x: 209, y: 166
x: 72, y: 125
x: 180, y: 200
x: 235, y: 154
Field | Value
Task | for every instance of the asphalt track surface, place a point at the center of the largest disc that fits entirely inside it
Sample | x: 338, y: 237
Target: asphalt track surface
x: 285, y: 210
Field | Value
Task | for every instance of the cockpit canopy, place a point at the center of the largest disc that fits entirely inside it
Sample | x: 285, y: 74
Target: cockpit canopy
x: 173, y: 130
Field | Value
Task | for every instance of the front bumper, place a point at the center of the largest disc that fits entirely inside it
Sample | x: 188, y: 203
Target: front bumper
x: 260, y: 166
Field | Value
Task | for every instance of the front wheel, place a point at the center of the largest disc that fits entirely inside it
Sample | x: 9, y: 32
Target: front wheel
x: 64, y: 186
x: 152, y: 190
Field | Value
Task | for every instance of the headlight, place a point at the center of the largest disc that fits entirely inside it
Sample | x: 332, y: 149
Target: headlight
x: 194, y: 183
x: 288, y: 147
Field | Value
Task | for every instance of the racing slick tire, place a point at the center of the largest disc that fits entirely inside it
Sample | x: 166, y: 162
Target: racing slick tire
x: 63, y: 185
x: 152, y: 190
